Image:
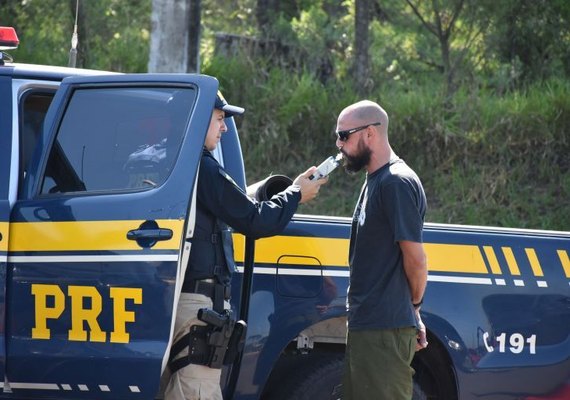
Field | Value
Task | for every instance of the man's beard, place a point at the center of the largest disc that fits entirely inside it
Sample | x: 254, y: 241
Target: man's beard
x: 355, y: 163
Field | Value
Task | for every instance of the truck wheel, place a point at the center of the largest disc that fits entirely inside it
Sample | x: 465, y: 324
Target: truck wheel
x: 319, y: 379
x: 322, y: 380
x: 433, y: 372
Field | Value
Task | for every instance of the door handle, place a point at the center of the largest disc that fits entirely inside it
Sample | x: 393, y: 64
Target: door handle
x: 148, y: 234
x: 155, y: 234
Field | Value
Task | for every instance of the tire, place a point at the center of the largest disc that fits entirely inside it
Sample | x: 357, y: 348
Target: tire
x: 321, y: 379
x: 433, y: 373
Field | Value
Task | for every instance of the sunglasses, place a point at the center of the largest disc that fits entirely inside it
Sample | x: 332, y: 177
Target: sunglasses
x: 343, y: 135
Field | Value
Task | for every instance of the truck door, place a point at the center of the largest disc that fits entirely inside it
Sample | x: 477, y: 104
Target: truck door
x: 97, y: 237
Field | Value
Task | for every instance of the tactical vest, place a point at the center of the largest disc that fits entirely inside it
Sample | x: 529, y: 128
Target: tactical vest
x: 211, y: 255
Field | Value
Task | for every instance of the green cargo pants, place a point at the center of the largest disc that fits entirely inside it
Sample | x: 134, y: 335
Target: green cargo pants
x: 377, y: 364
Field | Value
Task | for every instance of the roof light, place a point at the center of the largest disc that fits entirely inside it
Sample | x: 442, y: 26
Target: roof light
x: 8, y: 38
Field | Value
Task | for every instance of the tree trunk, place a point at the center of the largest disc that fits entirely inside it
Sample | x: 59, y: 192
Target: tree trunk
x: 172, y: 38
x: 195, y: 13
x: 448, y: 68
x: 361, y: 62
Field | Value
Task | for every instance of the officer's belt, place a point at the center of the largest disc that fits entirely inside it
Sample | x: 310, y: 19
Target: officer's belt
x: 207, y: 287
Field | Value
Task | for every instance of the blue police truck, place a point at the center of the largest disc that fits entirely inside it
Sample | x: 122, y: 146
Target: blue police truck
x: 97, y: 179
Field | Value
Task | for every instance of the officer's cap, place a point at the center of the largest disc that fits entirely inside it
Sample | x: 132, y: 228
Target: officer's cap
x: 229, y: 110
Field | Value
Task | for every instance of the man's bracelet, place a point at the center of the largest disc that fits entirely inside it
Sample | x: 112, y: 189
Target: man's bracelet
x: 417, y: 305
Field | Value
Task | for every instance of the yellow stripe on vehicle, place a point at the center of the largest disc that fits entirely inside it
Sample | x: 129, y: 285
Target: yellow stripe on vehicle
x: 563, y: 256
x: 303, y: 260
x: 511, y: 261
x: 4, y: 232
x: 492, y: 258
x: 85, y: 235
x: 334, y: 252
x: 534, y: 263
x: 328, y: 251
x: 455, y: 258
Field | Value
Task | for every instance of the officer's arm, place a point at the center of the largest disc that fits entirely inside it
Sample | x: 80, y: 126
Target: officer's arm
x: 226, y: 200
x: 258, y: 219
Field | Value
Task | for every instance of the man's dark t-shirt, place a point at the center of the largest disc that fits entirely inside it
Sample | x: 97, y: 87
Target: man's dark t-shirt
x: 391, y: 208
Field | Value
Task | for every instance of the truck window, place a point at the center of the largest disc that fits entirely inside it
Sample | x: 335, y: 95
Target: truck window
x: 117, y: 139
x: 34, y: 106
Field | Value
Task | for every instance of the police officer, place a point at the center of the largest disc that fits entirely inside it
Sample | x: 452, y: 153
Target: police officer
x: 222, y: 204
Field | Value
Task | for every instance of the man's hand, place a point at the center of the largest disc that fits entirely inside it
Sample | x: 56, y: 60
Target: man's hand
x: 309, y: 188
x: 422, y: 338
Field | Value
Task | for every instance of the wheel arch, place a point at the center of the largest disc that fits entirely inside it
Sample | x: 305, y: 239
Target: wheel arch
x: 326, y: 339
x: 434, y: 370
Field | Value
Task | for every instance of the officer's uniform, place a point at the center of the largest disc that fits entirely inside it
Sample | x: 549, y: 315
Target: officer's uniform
x: 220, y: 202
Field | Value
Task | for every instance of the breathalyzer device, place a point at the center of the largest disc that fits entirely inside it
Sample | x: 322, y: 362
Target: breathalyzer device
x: 326, y: 167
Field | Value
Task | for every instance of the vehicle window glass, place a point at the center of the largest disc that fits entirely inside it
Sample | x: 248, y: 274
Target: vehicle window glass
x: 33, y: 112
x: 117, y: 138
x: 34, y: 106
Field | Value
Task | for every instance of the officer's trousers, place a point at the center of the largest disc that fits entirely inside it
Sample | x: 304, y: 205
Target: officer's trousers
x: 193, y: 382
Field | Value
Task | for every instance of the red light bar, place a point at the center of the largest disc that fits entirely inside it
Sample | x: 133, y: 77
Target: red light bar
x: 8, y: 38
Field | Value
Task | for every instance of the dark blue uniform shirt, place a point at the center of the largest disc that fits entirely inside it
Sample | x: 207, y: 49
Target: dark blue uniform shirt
x: 222, y: 203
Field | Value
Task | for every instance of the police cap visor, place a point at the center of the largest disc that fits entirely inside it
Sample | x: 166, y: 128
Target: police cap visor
x: 228, y: 109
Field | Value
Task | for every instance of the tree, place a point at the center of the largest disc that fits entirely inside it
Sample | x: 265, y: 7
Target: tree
x: 457, y: 25
x: 194, y: 36
x: 266, y: 13
x: 441, y: 25
x: 175, y: 36
x: 269, y: 12
x: 361, y: 62
x: 531, y: 38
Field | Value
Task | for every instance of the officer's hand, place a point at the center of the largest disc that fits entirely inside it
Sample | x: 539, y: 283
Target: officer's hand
x: 309, y: 188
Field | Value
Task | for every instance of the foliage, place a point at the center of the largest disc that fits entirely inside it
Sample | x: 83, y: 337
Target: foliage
x: 113, y: 36
x: 490, y: 160
x: 533, y: 37
x: 45, y: 42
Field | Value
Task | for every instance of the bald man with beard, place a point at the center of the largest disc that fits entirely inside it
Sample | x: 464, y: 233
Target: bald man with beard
x: 388, y: 268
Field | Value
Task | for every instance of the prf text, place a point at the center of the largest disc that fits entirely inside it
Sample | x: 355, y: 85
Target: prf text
x: 50, y: 302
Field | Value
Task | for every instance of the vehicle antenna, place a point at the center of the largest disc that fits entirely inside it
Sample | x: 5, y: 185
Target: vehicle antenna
x: 74, y: 40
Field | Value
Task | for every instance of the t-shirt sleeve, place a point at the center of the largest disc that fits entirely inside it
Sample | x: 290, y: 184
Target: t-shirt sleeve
x: 402, y: 211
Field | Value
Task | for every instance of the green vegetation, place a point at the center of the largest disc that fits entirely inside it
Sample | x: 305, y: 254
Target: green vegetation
x: 488, y: 159
x: 485, y: 123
